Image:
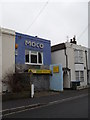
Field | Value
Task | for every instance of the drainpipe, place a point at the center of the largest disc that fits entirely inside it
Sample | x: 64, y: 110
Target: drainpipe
x: 86, y: 66
x: 66, y: 59
x: 86, y: 59
x: 67, y: 66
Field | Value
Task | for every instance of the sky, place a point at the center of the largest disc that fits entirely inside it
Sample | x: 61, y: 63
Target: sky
x: 48, y: 19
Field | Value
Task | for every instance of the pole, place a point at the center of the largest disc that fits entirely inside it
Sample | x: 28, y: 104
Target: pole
x: 32, y: 90
x: 31, y: 86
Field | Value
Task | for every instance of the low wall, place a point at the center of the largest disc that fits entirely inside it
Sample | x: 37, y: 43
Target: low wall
x: 41, y: 82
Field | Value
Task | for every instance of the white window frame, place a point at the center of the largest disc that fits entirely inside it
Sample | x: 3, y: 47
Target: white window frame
x: 78, y: 58
x: 30, y: 53
x: 79, y: 76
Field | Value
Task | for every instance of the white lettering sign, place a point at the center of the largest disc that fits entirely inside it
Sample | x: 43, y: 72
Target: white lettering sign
x: 34, y: 44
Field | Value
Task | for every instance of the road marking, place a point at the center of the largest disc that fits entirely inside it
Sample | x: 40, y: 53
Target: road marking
x: 44, y: 105
x: 67, y: 99
x: 17, y: 109
x: 20, y: 107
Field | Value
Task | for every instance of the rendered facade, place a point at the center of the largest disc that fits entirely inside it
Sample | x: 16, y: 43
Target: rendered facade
x: 7, y: 53
x: 73, y: 59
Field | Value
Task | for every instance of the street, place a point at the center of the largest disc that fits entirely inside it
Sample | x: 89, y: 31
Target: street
x: 73, y: 108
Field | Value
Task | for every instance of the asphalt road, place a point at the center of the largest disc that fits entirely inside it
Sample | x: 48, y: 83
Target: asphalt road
x: 75, y: 108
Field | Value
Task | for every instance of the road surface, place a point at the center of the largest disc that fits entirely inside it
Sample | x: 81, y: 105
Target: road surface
x: 73, y: 108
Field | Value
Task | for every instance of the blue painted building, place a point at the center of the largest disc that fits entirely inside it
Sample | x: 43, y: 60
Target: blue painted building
x: 32, y: 50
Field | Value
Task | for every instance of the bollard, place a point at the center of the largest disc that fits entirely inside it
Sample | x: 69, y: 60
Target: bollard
x: 32, y: 90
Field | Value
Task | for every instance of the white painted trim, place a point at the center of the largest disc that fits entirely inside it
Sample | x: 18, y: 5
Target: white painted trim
x: 79, y: 67
x: 37, y: 58
x: 7, y: 31
x: 32, y: 63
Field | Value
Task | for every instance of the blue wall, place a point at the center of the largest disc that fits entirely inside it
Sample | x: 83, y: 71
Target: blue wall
x: 20, y: 40
x: 56, y: 80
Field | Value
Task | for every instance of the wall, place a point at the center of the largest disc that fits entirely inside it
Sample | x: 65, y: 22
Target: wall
x: 0, y: 60
x: 89, y: 24
x: 7, y: 54
x: 89, y: 40
x: 41, y: 82
x: 56, y: 80
x: 8, y: 51
x: 58, y: 57
x: 20, y: 40
x: 66, y: 80
x: 89, y: 58
x: 88, y: 65
x: 70, y: 55
x: 85, y: 70
x: 72, y: 66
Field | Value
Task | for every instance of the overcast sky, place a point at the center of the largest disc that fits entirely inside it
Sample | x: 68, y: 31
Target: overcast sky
x: 51, y: 19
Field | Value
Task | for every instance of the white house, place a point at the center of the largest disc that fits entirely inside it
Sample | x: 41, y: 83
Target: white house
x: 89, y: 42
x: 7, y: 53
x: 89, y: 66
x: 73, y: 58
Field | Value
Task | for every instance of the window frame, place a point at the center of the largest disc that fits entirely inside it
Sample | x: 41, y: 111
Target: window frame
x: 78, y: 57
x: 81, y: 79
x: 36, y: 53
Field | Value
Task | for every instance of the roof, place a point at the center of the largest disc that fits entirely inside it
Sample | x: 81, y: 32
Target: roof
x: 58, y: 47
x: 7, y: 31
x: 32, y: 37
x: 67, y: 44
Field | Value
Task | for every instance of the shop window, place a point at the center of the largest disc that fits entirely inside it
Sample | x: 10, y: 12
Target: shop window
x: 33, y: 57
x: 79, y: 75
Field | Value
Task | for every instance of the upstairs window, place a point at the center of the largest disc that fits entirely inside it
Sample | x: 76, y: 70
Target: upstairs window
x: 39, y: 57
x: 33, y: 57
x: 27, y: 56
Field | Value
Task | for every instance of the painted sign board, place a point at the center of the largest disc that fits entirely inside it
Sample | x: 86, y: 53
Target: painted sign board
x: 55, y: 69
x: 40, y: 71
x: 31, y: 70
x: 34, y: 44
x: 43, y: 71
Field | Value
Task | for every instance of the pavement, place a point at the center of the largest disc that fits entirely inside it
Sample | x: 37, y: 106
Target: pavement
x: 40, y: 98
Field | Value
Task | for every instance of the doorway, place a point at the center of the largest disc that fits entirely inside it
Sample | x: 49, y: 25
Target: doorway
x: 66, y: 78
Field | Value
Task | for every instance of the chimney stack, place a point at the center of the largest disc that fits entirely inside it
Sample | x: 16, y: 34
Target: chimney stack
x: 73, y: 40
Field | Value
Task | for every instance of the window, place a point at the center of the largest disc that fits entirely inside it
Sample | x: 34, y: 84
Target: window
x: 39, y: 57
x: 79, y: 75
x: 26, y: 56
x: 33, y: 57
x: 78, y: 56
